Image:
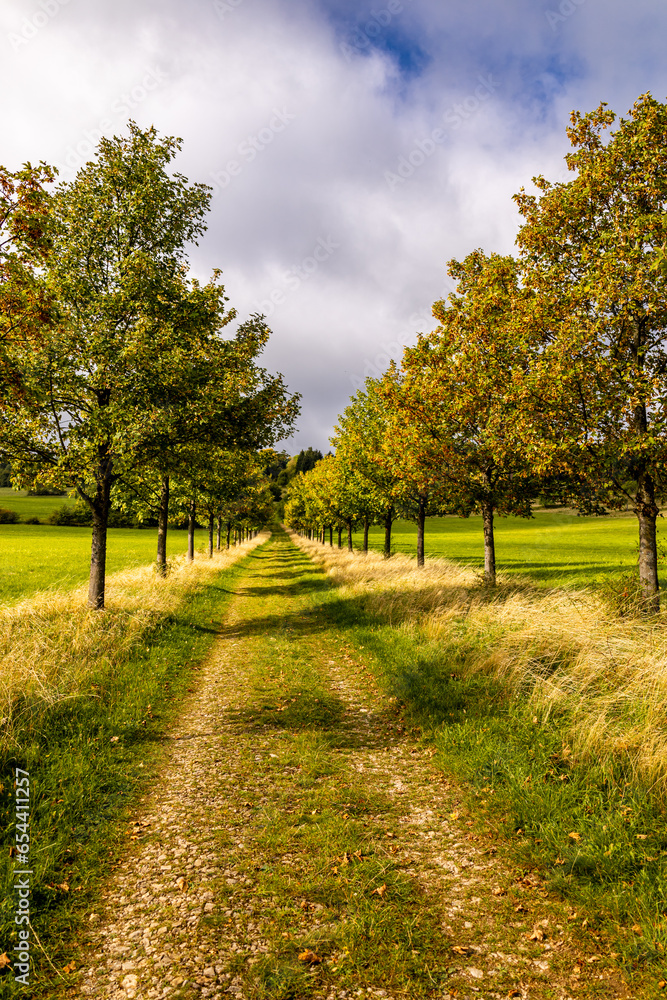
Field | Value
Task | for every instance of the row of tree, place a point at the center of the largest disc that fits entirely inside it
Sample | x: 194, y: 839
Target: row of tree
x: 118, y: 381
x: 547, y: 373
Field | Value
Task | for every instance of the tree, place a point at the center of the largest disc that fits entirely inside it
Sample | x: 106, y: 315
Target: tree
x: 219, y: 399
x: 118, y: 235
x: 592, y: 250
x: 459, y: 424
x: 411, y: 456
x: 24, y: 244
x: 335, y: 490
x: 359, y: 440
x: 306, y: 460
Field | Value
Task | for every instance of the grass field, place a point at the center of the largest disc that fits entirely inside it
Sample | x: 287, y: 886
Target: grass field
x: 26, y: 506
x: 554, y: 548
x: 41, y: 557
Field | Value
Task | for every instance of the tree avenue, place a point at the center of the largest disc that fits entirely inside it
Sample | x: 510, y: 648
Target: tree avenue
x: 133, y: 364
x: 547, y: 373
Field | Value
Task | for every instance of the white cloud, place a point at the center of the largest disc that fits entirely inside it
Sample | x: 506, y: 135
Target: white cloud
x: 327, y: 126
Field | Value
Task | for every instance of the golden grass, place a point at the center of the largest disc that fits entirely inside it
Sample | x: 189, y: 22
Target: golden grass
x: 51, y: 642
x: 562, y: 651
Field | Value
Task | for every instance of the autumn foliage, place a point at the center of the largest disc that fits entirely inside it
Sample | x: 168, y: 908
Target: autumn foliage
x: 547, y: 371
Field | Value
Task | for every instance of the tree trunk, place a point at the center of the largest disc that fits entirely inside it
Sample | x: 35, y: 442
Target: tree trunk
x: 331, y: 536
x: 98, y: 549
x: 191, y: 532
x: 219, y: 536
x: 350, y: 547
x: 162, y: 520
x: 98, y: 559
x: 388, y: 521
x: 210, y: 535
x: 421, y: 521
x: 647, y: 512
x: 340, y: 536
x: 489, y: 545
x: 229, y: 533
x: 366, y: 526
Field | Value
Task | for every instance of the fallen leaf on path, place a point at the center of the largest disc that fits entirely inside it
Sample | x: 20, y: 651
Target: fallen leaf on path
x: 4, y: 960
x: 380, y: 892
x: 309, y: 957
x: 70, y: 967
x: 461, y: 949
x: 181, y: 883
x: 574, y: 835
x: 63, y: 886
x: 498, y: 891
x: 537, y: 934
x: 636, y: 929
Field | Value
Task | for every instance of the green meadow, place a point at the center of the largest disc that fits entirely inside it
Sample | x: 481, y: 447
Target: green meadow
x: 42, y: 557
x: 27, y: 506
x: 555, y: 547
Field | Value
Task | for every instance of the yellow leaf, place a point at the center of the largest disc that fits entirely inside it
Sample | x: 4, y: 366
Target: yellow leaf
x: 4, y: 960
x: 574, y: 836
x: 70, y: 967
x: 309, y: 957
x: 182, y: 883
x: 379, y: 892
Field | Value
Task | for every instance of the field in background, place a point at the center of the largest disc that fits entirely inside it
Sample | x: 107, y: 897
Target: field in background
x: 26, y: 506
x: 42, y: 557
x: 554, y: 548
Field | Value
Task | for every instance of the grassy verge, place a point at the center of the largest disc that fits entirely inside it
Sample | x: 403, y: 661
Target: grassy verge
x: 554, y: 548
x: 87, y: 703
x: 553, y: 717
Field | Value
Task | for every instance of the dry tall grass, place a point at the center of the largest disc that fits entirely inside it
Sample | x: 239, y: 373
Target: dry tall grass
x: 558, y: 650
x: 51, y: 643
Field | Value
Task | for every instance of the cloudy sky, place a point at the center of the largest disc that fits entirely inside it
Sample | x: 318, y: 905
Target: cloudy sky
x: 353, y: 147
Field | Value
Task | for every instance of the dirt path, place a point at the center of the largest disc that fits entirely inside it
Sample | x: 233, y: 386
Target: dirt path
x: 298, y: 843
